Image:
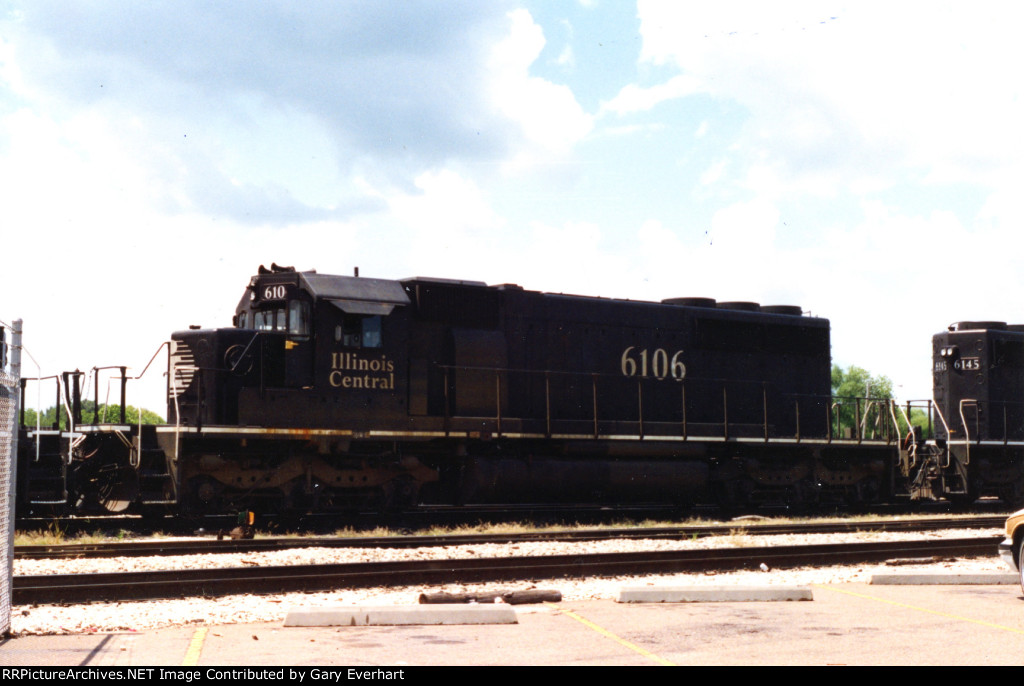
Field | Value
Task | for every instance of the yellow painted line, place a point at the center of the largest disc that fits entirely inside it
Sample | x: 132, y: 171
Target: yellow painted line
x: 195, y: 648
x: 607, y: 634
x: 923, y: 609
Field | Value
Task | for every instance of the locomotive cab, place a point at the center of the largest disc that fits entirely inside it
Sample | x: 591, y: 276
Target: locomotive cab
x: 978, y: 382
x: 307, y: 350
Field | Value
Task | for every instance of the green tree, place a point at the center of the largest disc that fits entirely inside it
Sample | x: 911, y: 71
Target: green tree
x: 860, y: 403
x: 855, y: 382
x: 107, y: 414
x: 918, y: 418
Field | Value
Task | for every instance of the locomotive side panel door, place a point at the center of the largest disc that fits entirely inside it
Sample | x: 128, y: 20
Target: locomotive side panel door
x: 362, y: 364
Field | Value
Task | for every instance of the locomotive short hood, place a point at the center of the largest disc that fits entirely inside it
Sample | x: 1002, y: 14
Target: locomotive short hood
x: 350, y: 294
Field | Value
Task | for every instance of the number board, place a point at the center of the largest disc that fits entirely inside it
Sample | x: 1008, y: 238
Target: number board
x: 273, y: 291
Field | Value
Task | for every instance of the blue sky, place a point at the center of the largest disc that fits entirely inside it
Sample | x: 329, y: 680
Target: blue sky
x: 861, y: 160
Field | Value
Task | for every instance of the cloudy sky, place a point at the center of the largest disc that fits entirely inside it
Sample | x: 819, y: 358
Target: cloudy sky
x: 862, y: 160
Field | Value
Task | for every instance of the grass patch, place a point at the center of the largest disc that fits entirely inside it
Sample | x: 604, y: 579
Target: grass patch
x: 56, y: 534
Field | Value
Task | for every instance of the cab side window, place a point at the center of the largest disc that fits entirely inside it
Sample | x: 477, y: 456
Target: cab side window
x: 358, y: 331
x: 298, y: 318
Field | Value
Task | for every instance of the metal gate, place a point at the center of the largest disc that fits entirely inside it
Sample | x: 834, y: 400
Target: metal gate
x: 10, y: 374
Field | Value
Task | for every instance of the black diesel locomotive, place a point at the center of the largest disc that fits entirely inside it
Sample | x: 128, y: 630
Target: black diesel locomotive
x: 335, y: 393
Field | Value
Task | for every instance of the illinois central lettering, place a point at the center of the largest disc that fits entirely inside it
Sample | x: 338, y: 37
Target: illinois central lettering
x: 349, y: 370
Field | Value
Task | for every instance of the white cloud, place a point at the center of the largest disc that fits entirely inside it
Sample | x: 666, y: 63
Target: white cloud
x: 714, y: 173
x: 856, y: 88
x: 548, y: 113
x: 746, y: 228
x: 446, y: 200
x: 633, y: 98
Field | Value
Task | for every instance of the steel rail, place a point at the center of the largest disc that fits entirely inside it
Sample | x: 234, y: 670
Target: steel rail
x: 78, y: 588
x: 195, y: 547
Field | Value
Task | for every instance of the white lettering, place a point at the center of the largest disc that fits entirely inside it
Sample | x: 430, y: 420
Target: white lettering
x: 658, y: 363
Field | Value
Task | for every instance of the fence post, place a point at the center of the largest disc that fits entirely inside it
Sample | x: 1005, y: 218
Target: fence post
x: 10, y: 392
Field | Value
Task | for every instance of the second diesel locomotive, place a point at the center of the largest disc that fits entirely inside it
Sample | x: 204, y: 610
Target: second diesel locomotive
x: 340, y: 393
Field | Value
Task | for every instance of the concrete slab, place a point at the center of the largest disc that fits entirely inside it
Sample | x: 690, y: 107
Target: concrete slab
x: 400, y: 615
x: 850, y: 623
x: 993, y: 579
x: 712, y: 594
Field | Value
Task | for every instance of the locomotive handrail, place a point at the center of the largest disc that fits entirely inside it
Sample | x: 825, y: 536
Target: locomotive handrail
x: 500, y: 416
x: 1006, y: 405
x: 95, y: 376
x: 76, y: 399
x: 886, y: 429
x: 135, y: 447
x: 725, y: 414
x: 942, y: 418
x: 157, y: 352
x: 245, y: 351
x: 640, y: 406
x: 856, y: 419
x: 39, y: 409
x: 764, y: 407
x: 95, y: 373
x: 869, y: 405
x: 860, y: 418
x: 171, y: 379
x: 547, y: 402
x: 72, y: 418
x: 548, y: 419
x: 893, y: 405
x: 682, y: 388
x: 835, y: 407
x: 967, y: 430
x: 610, y: 375
x: 911, y: 444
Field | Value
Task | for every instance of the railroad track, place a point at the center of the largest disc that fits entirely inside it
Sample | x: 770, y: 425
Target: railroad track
x: 78, y: 588
x: 193, y: 547
x: 445, y: 515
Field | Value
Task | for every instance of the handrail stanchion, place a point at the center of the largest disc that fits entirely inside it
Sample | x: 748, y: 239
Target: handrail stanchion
x: 725, y: 413
x: 796, y: 407
x: 497, y: 390
x: 547, y: 403
x: 764, y: 403
x: 640, y: 405
x: 682, y: 385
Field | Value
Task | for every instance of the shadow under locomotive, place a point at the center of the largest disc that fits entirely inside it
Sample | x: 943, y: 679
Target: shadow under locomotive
x: 347, y: 393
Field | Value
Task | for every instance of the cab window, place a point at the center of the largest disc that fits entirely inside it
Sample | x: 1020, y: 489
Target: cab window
x: 357, y: 331
x: 298, y: 318
x: 293, y: 319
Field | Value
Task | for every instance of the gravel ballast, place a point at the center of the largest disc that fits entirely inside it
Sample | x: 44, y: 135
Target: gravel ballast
x: 137, y: 616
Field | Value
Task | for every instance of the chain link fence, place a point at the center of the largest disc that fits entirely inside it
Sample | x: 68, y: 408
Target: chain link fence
x: 9, y: 393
